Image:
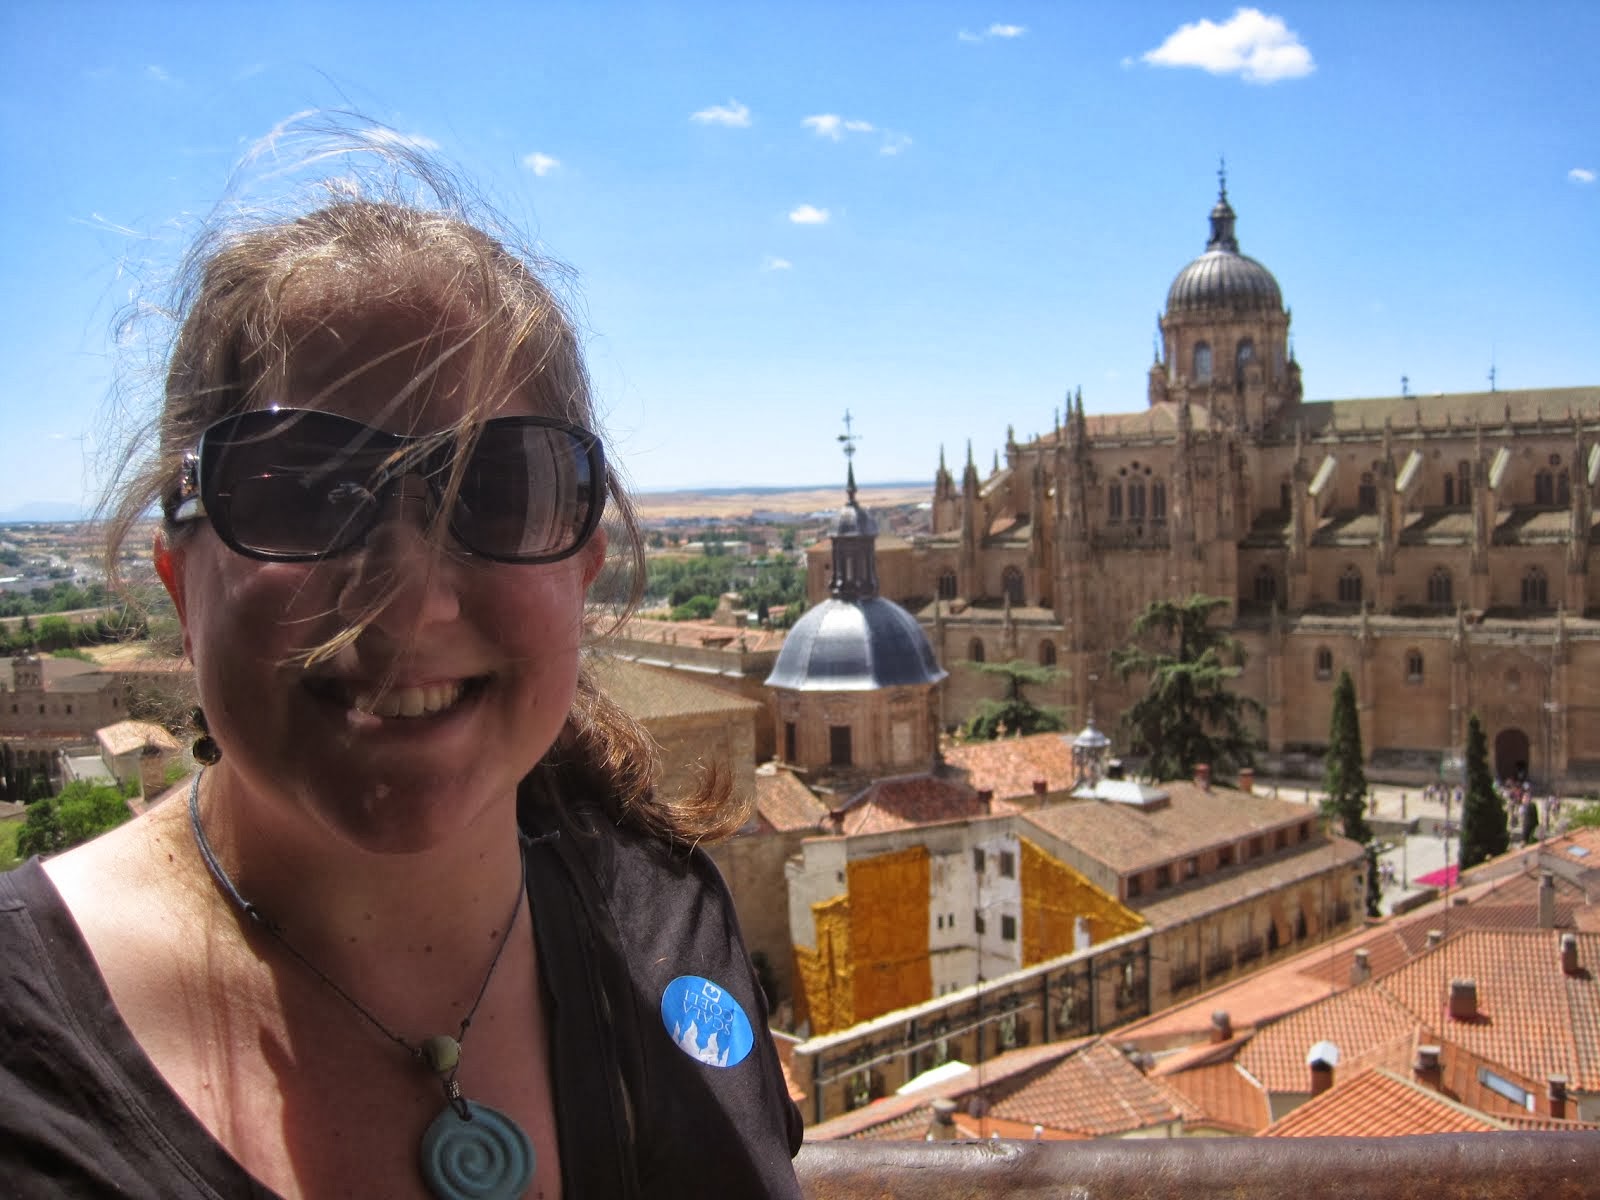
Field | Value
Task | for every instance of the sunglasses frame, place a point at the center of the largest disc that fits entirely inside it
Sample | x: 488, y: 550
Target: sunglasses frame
x: 199, y: 496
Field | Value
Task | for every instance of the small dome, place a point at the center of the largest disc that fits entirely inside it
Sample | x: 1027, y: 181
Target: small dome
x: 1222, y: 278
x: 854, y: 521
x: 854, y: 646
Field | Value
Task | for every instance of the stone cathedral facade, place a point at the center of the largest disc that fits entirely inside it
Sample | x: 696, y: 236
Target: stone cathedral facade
x: 1442, y: 548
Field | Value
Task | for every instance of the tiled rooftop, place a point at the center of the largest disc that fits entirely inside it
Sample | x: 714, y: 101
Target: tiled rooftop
x: 127, y: 736
x: 1097, y: 1092
x: 1009, y: 767
x: 1213, y: 893
x: 784, y: 804
x: 1379, y: 1103
x: 911, y: 800
x: 706, y: 634
x: 648, y: 693
x: 1359, y: 1021
x: 1227, y: 1098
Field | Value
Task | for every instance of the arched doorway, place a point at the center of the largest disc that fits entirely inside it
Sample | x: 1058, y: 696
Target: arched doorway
x: 1511, y: 754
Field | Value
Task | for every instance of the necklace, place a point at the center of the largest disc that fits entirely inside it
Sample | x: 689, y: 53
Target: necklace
x: 470, y: 1150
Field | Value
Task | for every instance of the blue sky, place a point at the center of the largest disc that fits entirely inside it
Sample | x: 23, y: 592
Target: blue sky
x: 940, y: 216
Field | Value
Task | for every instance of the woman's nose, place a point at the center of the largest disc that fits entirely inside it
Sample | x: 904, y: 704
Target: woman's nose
x: 403, y: 577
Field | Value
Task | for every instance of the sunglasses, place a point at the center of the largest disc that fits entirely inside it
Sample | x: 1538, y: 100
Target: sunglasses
x: 294, y: 485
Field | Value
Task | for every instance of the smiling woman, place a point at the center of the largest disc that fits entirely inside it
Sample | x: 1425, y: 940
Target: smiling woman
x: 418, y: 818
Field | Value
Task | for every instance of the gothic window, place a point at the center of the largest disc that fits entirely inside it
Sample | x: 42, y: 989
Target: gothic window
x: 1266, y: 590
x: 1011, y: 584
x: 1158, y: 501
x: 1135, y: 500
x: 975, y: 650
x: 947, y: 585
x: 839, y: 745
x: 1324, y: 663
x: 1535, y: 589
x: 1202, y: 363
x: 1047, y: 653
x: 788, y: 741
x: 1544, y: 488
x: 1563, y: 488
x: 1350, y: 586
x: 1367, y: 494
x: 1242, y: 354
x: 1440, y: 588
x: 1449, y: 491
x: 1464, y: 483
x: 1413, y: 666
x: 1114, y: 502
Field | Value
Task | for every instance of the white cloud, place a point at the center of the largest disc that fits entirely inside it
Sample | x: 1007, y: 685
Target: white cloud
x: 540, y: 164
x: 733, y: 114
x: 1251, y: 44
x: 412, y: 141
x: 808, y: 214
x: 833, y: 127
x: 994, y: 31
x: 1581, y: 175
x: 893, y: 143
x: 773, y: 263
x: 858, y: 126
x: 158, y: 74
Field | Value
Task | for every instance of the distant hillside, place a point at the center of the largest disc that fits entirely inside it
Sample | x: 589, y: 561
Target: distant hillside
x: 739, y: 503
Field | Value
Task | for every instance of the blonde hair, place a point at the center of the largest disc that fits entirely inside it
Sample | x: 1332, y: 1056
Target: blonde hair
x: 233, y: 345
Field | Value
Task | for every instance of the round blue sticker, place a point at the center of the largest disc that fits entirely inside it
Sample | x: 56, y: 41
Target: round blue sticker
x: 706, y: 1022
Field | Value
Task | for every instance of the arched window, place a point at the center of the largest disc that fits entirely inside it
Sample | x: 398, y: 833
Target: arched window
x: 1285, y: 496
x: 1202, y: 362
x: 1413, y: 666
x: 1158, y: 501
x: 975, y: 650
x: 1449, y: 491
x: 947, y: 585
x: 1242, y: 354
x: 1011, y: 584
x: 1047, y: 653
x: 1135, y: 500
x: 1367, y: 493
x: 1535, y: 589
x: 1544, y: 488
x: 1563, y: 488
x: 1266, y: 587
x: 1114, y: 502
x: 1441, y: 589
x: 1350, y: 586
x: 1464, y: 483
x: 1324, y: 663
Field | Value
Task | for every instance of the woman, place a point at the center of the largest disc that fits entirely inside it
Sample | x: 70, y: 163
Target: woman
x: 421, y: 927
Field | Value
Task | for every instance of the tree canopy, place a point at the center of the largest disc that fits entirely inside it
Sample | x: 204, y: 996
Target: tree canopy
x: 1187, y: 715
x: 82, y: 811
x: 1483, y: 814
x: 1344, y: 778
x: 1016, y: 714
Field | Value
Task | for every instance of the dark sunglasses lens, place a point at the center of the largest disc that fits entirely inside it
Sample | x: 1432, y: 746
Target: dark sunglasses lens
x: 527, y: 492
x: 290, y: 485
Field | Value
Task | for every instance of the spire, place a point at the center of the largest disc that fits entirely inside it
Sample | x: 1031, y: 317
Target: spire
x: 1222, y: 217
x: 850, y: 482
x: 855, y: 536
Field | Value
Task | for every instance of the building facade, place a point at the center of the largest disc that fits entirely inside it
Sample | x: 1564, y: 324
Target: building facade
x: 1441, y: 547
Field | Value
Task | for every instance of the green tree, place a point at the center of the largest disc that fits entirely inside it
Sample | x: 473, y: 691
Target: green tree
x: 695, y: 608
x: 1016, y: 713
x: 1483, y: 813
x: 1187, y: 715
x: 1345, y: 781
x: 82, y: 811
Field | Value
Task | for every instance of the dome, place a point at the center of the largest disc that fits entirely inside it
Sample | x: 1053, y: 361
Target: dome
x: 1222, y: 278
x: 855, y: 646
x: 853, y: 521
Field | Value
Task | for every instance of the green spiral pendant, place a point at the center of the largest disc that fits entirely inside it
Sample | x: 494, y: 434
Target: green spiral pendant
x: 482, y: 1156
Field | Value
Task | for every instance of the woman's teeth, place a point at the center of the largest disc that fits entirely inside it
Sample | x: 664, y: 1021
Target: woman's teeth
x: 408, y: 701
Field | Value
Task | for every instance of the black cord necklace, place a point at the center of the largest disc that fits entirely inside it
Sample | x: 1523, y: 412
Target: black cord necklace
x: 469, y: 1150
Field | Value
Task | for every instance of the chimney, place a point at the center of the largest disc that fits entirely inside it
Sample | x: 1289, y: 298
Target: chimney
x: 1569, y: 954
x: 1221, y: 1025
x: 1202, y: 776
x: 1360, y: 967
x: 836, y: 820
x: 1463, y: 999
x: 1041, y: 786
x: 1426, y: 1067
x: 986, y: 799
x: 1547, y: 900
x: 1558, y: 1097
x: 943, y: 1127
x: 1321, y: 1059
x: 1435, y: 936
x: 1247, y: 779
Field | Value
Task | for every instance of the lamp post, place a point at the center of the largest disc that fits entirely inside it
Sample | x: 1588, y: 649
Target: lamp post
x: 1452, y: 766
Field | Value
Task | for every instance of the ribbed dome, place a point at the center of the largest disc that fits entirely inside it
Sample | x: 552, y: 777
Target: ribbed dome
x: 855, y: 646
x: 1222, y: 278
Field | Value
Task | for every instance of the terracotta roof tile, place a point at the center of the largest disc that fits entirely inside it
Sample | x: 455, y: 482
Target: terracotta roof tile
x: 127, y: 736
x: 647, y: 693
x: 703, y: 634
x: 1226, y: 1097
x: 1358, y: 1021
x: 1096, y: 1092
x: 1378, y: 1103
x: 911, y: 800
x: 785, y: 804
x: 1009, y: 767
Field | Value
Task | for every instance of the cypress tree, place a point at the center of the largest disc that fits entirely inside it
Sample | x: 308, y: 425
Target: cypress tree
x: 1483, y: 814
x: 1343, y: 777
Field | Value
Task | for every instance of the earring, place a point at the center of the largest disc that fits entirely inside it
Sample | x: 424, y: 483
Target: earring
x: 205, y: 750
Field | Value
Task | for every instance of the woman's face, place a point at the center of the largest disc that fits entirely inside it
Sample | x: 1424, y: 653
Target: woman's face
x: 457, y: 684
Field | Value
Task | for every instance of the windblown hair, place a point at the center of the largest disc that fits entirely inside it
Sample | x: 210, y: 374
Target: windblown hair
x: 490, y: 303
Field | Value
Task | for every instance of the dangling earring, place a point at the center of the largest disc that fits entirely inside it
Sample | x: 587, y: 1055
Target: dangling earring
x: 205, y: 750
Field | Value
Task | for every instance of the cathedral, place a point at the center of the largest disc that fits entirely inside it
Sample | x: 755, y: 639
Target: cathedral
x: 1437, y: 547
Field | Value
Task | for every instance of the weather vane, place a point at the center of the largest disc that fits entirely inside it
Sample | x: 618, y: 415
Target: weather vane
x: 1222, y: 175
x: 849, y: 438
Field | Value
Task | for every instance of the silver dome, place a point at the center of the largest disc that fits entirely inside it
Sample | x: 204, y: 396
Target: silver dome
x: 855, y: 646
